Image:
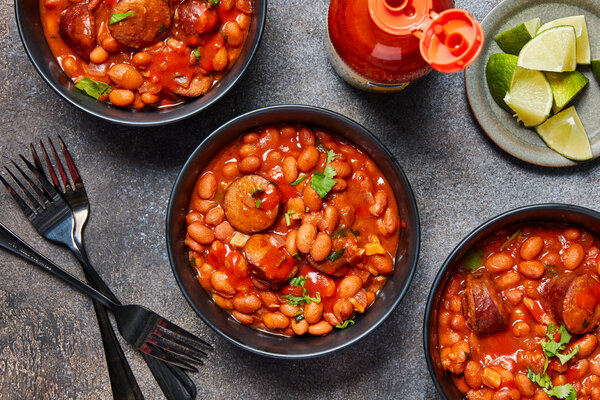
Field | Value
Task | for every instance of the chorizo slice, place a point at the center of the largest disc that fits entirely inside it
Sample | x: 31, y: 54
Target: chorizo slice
x: 269, y: 261
x: 572, y: 299
x: 194, y: 17
x: 485, y: 310
x: 78, y: 29
x: 149, y: 22
x: 240, y: 205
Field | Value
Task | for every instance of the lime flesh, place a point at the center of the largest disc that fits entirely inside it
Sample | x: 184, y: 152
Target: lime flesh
x: 530, y: 96
x: 581, y: 33
x: 565, y: 86
x: 512, y: 41
x: 565, y: 134
x: 552, y: 50
x: 498, y: 73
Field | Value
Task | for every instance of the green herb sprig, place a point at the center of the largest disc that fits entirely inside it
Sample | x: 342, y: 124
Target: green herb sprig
x: 323, y: 182
x: 299, y: 300
x: 119, y: 17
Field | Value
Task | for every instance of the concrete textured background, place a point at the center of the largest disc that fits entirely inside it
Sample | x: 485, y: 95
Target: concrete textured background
x: 49, y: 342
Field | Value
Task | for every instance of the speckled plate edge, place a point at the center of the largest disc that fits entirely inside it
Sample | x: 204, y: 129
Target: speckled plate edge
x: 499, y: 125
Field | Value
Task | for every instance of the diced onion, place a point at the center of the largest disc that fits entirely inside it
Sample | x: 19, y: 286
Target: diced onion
x: 239, y: 239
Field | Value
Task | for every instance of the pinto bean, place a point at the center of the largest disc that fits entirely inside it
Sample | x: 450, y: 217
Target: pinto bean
x: 379, y: 205
x: 313, y: 312
x: 98, y: 55
x: 121, y: 97
x: 223, y: 231
x: 230, y: 170
x: 531, y: 269
x: 349, y: 286
x: 232, y: 31
x: 320, y: 328
x: 531, y: 248
x: 388, y: 224
x: 243, y: 318
x: 125, y: 76
x: 193, y: 216
x: 312, y: 200
x: 290, y: 242
x: 525, y: 386
x: 473, y: 374
x: 321, y: 247
x: 331, y: 218
x: 573, y: 256
x: 215, y: 216
x: 308, y: 158
x: 247, y: 303
x: 249, y: 164
x: 222, y: 302
x: 288, y: 310
x: 342, y: 169
x: 220, y: 282
x: 342, y: 309
x: 276, y: 320
x: 499, y: 262
x: 299, y: 328
x: 587, y: 345
x: 305, y: 236
x: 382, y: 263
x: 507, y: 280
x: 207, y: 186
x: 289, y: 169
x: 200, y: 233
x: 340, y: 185
x: 306, y: 137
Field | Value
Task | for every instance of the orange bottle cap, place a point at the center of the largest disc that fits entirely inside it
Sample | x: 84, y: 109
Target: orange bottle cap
x: 449, y: 41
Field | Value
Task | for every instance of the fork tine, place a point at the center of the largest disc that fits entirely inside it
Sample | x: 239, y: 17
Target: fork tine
x: 39, y: 166
x: 70, y: 164
x: 193, y: 340
x: 28, y: 211
x: 48, y: 187
x: 188, y: 354
x: 155, y: 352
x: 35, y: 188
x: 171, y: 341
x: 61, y: 170
x: 36, y: 204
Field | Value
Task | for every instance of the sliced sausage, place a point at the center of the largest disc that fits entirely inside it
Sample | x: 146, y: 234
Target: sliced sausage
x: 194, y: 17
x: 571, y: 298
x: 149, y: 23
x: 268, y: 258
x: 239, y: 205
x: 485, y: 311
x: 197, y: 87
x: 78, y: 29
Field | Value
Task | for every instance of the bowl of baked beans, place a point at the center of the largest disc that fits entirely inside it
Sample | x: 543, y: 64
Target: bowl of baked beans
x: 292, y: 231
x: 514, y: 312
x: 141, y: 62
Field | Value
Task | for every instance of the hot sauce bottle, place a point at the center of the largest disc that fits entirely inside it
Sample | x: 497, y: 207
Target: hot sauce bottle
x: 383, y: 45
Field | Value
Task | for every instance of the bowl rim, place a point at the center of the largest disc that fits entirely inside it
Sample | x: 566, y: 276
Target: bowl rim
x: 177, y: 115
x: 317, y: 111
x: 459, y: 247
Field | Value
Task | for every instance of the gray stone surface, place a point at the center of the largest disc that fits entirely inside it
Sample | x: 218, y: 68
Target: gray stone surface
x: 49, y: 342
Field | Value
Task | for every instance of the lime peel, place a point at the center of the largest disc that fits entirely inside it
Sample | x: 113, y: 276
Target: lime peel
x: 564, y: 133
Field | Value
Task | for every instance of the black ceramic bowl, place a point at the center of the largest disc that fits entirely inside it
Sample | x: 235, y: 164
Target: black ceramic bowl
x: 261, y: 342
x: 32, y: 36
x: 554, y: 213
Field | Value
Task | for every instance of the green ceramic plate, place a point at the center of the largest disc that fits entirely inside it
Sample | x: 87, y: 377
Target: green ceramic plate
x: 502, y: 127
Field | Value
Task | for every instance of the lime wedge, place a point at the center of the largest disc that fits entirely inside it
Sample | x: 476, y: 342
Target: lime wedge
x: 565, y: 134
x: 581, y: 32
x: 596, y: 69
x: 565, y: 85
x: 513, y: 40
x: 552, y: 50
x: 498, y: 73
x: 530, y: 96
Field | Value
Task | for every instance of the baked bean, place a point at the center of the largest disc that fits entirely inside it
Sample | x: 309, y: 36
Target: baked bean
x: 205, y: 272
x: 98, y: 55
x: 455, y: 304
x: 110, y: 44
x: 382, y: 263
x: 220, y: 282
x: 347, y: 215
x: 207, y: 186
x: 142, y: 59
x: 321, y: 247
x: 312, y: 200
x: 473, y: 374
x: 243, y: 318
x: 320, y: 328
x: 247, y: 150
x: 220, y: 60
x: 458, y: 322
x: 448, y: 338
x: 251, y: 138
x: 331, y: 218
x: 299, y: 328
x: 222, y: 302
x: 520, y: 329
x: 573, y: 256
x: 269, y: 137
x: 193, y: 216
x: 247, y: 303
x: 572, y: 234
x: 342, y: 169
x: 552, y: 259
x: 231, y: 30
x: 192, y: 244
x: 531, y: 248
x: 308, y: 158
x: 581, y: 367
x: 499, y: 262
x: 290, y: 242
x: 445, y: 318
x: 379, y: 205
x: 243, y: 20
x: 70, y: 66
x: 149, y: 98
x: 340, y: 185
x: 514, y: 296
x: 249, y: 164
x: 276, y: 320
x: 313, y: 312
x: 349, y: 286
x: 388, y: 224
x: 125, y: 76
x: 587, y: 345
x: 559, y: 380
x: 269, y: 299
x: 342, y: 309
x: 306, y: 137
x: 507, y: 280
x: 288, y: 310
x: 289, y: 169
x: 540, y: 395
x: 121, y: 97
x: 491, y: 378
x: 531, y: 269
x: 525, y: 386
x: 223, y: 231
x: 507, y: 394
x: 297, y: 206
x: 305, y: 236
x: 200, y: 233
x: 230, y: 170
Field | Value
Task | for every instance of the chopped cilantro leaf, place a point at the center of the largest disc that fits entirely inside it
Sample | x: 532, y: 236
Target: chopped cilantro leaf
x: 297, y: 280
x: 287, y: 214
x: 564, y: 358
x: 343, y: 232
x: 299, y: 300
x: 473, y: 259
x: 119, y: 17
x: 322, y: 183
x: 297, y: 256
x: 256, y: 191
x: 93, y: 88
x: 566, y: 392
x: 272, y: 183
x: 258, y: 203
x: 543, y: 380
x: 212, y: 3
x: 299, y: 180
x: 196, y: 52
x: 336, y: 254
x: 345, y: 324
x: 330, y: 156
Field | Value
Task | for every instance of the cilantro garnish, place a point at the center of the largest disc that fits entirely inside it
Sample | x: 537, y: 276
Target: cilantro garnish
x: 272, y: 183
x: 119, y: 17
x: 343, y: 232
x: 258, y: 202
x: 566, y: 392
x: 336, y: 254
x: 299, y: 300
x: 323, y: 182
x: 296, y: 256
x: 93, y: 88
x: 299, y: 317
x: 287, y: 214
x: 299, y: 180
x: 345, y: 324
x: 196, y: 52
x: 212, y: 3
x: 473, y: 259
